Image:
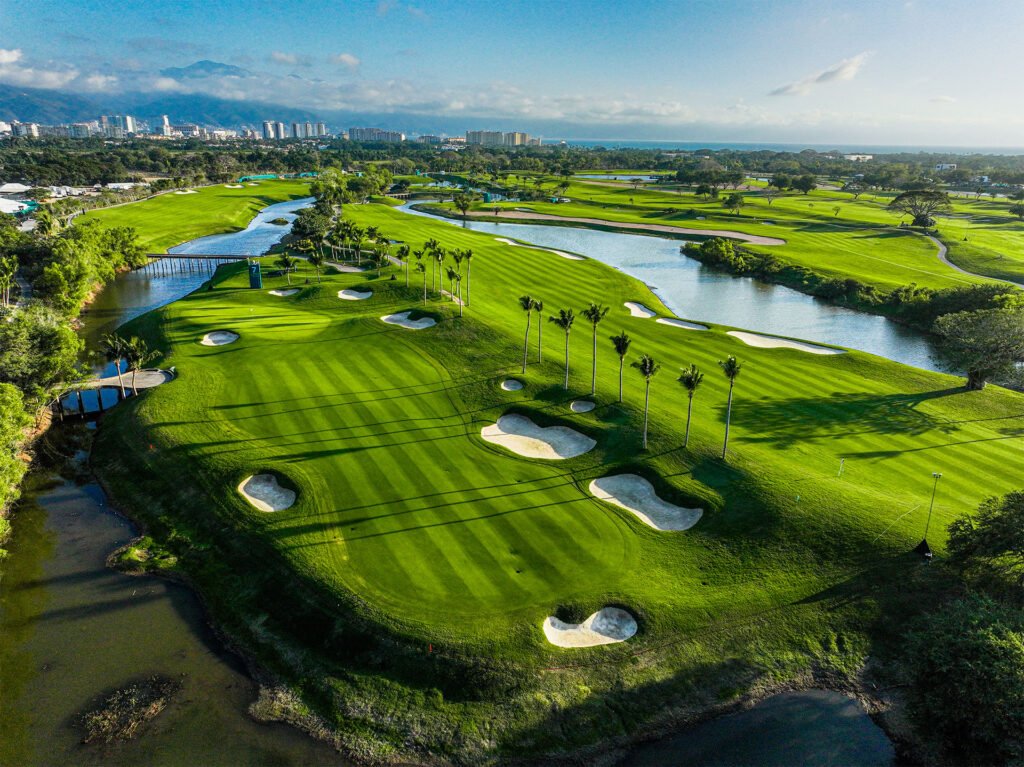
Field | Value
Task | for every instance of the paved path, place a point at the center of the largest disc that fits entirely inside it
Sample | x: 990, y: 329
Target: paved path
x: 943, y: 255
x: 144, y: 379
x: 24, y: 289
x: 752, y: 239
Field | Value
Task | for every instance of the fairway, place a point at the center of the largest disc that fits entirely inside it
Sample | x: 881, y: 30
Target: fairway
x: 170, y: 218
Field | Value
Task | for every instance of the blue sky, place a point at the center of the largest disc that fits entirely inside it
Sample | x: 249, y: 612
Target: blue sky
x: 915, y: 72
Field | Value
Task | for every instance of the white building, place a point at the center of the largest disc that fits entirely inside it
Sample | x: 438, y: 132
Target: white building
x: 858, y: 157
x: 31, y: 130
x: 945, y: 166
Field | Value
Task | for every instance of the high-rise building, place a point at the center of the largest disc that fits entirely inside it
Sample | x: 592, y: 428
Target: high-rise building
x: 268, y: 129
x: 130, y: 124
x: 165, y: 126
x: 296, y: 130
x: 515, y: 139
x: 79, y: 130
x: 485, y: 137
x: 428, y: 139
x: 321, y: 129
x: 280, y: 130
x: 308, y: 133
x: 375, y: 134
x: 31, y: 130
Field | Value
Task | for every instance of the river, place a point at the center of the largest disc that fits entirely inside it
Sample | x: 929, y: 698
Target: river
x: 695, y: 292
x: 71, y: 629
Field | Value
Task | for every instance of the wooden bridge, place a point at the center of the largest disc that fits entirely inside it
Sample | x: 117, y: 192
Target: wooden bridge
x: 189, y: 263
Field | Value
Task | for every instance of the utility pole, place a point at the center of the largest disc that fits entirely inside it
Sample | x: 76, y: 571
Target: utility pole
x: 923, y: 546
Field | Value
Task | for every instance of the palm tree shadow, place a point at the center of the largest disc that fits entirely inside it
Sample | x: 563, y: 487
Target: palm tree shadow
x: 802, y: 419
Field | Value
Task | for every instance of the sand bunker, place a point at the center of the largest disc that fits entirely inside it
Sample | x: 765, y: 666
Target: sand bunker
x: 219, y: 338
x: 582, y: 406
x: 681, y: 324
x: 636, y: 494
x: 251, y: 184
x: 523, y: 437
x: 186, y: 191
x: 345, y: 268
x: 639, y: 310
x: 263, y: 492
x: 607, y: 626
x: 354, y: 295
x: 511, y: 384
x: 402, y: 320
x: 283, y: 292
x: 233, y: 186
x: 561, y: 253
x: 771, y: 342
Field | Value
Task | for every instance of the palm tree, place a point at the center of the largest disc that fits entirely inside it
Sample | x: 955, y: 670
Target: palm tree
x: 594, y: 313
x: 468, y: 255
x: 420, y: 267
x: 403, y: 256
x: 316, y: 259
x: 287, y: 263
x: 564, y: 320
x: 451, y: 282
x: 731, y: 368
x: 648, y: 369
x: 527, y: 304
x: 538, y: 306
x: 439, y: 256
x: 430, y: 248
x: 139, y: 356
x: 621, y: 343
x: 115, y: 348
x: 453, y: 275
x: 358, y: 234
x: 691, y: 379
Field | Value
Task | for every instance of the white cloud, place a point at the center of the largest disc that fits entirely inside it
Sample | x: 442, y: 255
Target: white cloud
x: 942, y: 100
x: 99, y: 83
x: 284, y: 58
x: 9, y: 56
x: 13, y: 72
x: 846, y: 69
x: 347, y: 60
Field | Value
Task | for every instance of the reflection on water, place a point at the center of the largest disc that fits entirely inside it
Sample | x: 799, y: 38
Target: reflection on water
x: 695, y: 292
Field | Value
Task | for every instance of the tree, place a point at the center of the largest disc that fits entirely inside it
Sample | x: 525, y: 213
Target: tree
x: 770, y: 194
x: 420, y: 267
x: 403, y: 256
x: 462, y: 201
x: 691, y: 378
x: 139, y: 355
x: 316, y: 259
x: 1017, y: 210
x: 703, y: 190
x: 467, y: 254
x: 990, y: 543
x: 734, y: 202
x: 855, y: 188
x: 731, y: 368
x: 538, y: 306
x: 594, y: 314
x: 440, y: 254
x: 115, y: 348
x: 526, y: 303
x: 648, y: 369
x: 636, y: 183
x: 781, y: 182
x: 986, y: 343
x: 564, y: 320
x: 287, y: 263
x: 922, y: 205
x: 806, y: 183
x: 621, y: 343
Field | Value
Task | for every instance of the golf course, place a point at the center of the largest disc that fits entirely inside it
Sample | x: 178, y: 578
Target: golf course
x: 439, y: 557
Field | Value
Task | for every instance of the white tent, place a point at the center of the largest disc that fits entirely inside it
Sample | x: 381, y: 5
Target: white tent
x: 14, y: 188
x: 11, y: 206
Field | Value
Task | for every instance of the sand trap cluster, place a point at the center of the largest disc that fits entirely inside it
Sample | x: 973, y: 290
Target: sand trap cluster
x: 511, y: 384
x: 607, y: 626
x: 523, y: 437
x: 354, y: 295
x: 265, y: 494
x: 186, y: 191
x: 582, y: 406
x: 639, y: 310
x: 283, y: 291
x: 561, y: 253
x: 635, y: 494
x: 402, y: 320
x: 219, y: 338
x: 233, y: 186
x: 771, y: 342
x: 681, y: 323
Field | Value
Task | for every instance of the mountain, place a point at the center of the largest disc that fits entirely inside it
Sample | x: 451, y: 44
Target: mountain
x: 44, y: 106
x: 204, y: 68
x: 209, y: 110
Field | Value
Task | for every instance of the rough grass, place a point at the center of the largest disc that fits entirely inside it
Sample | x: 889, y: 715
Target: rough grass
x: 407, y: 586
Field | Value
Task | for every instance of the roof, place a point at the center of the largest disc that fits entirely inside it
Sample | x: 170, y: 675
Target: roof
x: 13, y: 188
x: 11, y: 206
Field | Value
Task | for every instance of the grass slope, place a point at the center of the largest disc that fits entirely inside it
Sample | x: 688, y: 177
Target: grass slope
x: 411, y: 527
x: 170, y: 219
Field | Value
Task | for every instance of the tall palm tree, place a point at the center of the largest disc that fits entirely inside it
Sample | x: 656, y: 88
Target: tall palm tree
x: 691, y: 379
x: 287, y: 263
x: 648, y: 369
x: 403, y: 256
x: 453, y: 275
x: 621, y: 343
x: 564, y: 320
x: 594, y: 314
x: 430, y: 248
x: 439, y: 256
x: 468, y: 255
x: 731, y: 368
x: 420, y: 267
x: 527, y: 304
x: 139, y: 356
x: 115, y: 348
x: 358, y: 235
x: 538, y: 306
x: 316, y: 259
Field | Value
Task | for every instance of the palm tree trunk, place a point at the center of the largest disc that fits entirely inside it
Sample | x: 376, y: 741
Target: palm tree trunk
x: 593, y: 370
x: 135, y: 391
x: 566, y: 384
x: 469, y: 271
x: 647, y: 400
x: 728, y: 418
x: 689, y: 410
x: 621, y: 361
x: 526, y: 341
x: 120, y: 381
x: 540, y: 342
x: 407, y: 273
x: 460, y: 298
x: 424, y: 287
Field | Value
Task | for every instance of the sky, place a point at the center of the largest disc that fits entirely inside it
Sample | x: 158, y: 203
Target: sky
x: 922, y: 72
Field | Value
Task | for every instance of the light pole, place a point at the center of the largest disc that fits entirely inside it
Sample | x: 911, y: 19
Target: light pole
x: 923, y: 547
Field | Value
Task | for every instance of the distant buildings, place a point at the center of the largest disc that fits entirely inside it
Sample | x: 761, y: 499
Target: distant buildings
x: 429, y: 139
x: 945, y: 166
x: 858, y: 157
x: 30, y: 130
x: 375, y: 134
x: 497, y: 138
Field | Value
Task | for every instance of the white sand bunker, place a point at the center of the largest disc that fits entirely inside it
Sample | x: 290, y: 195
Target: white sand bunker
x: 681, y: 323
x: 251, y: 184
x: 561, y: 253
x: 219, y: 338
x: 264, y: 493
x: 284, y: 292
x: 639, y: 310
x: 523, y: 437
x: 582, y: 406
x: 771, y: 342
x: 186, y: 191
x: 354, y: 295
x: 634, y: 493
x: 511, y: 384
x: 402, y: 320
x: 607, y: 626
x: 233, y: 186
x: 346, y: 268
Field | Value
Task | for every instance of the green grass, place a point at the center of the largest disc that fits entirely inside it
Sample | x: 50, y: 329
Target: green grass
x: 170, y: 219
x: 411, y: 526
